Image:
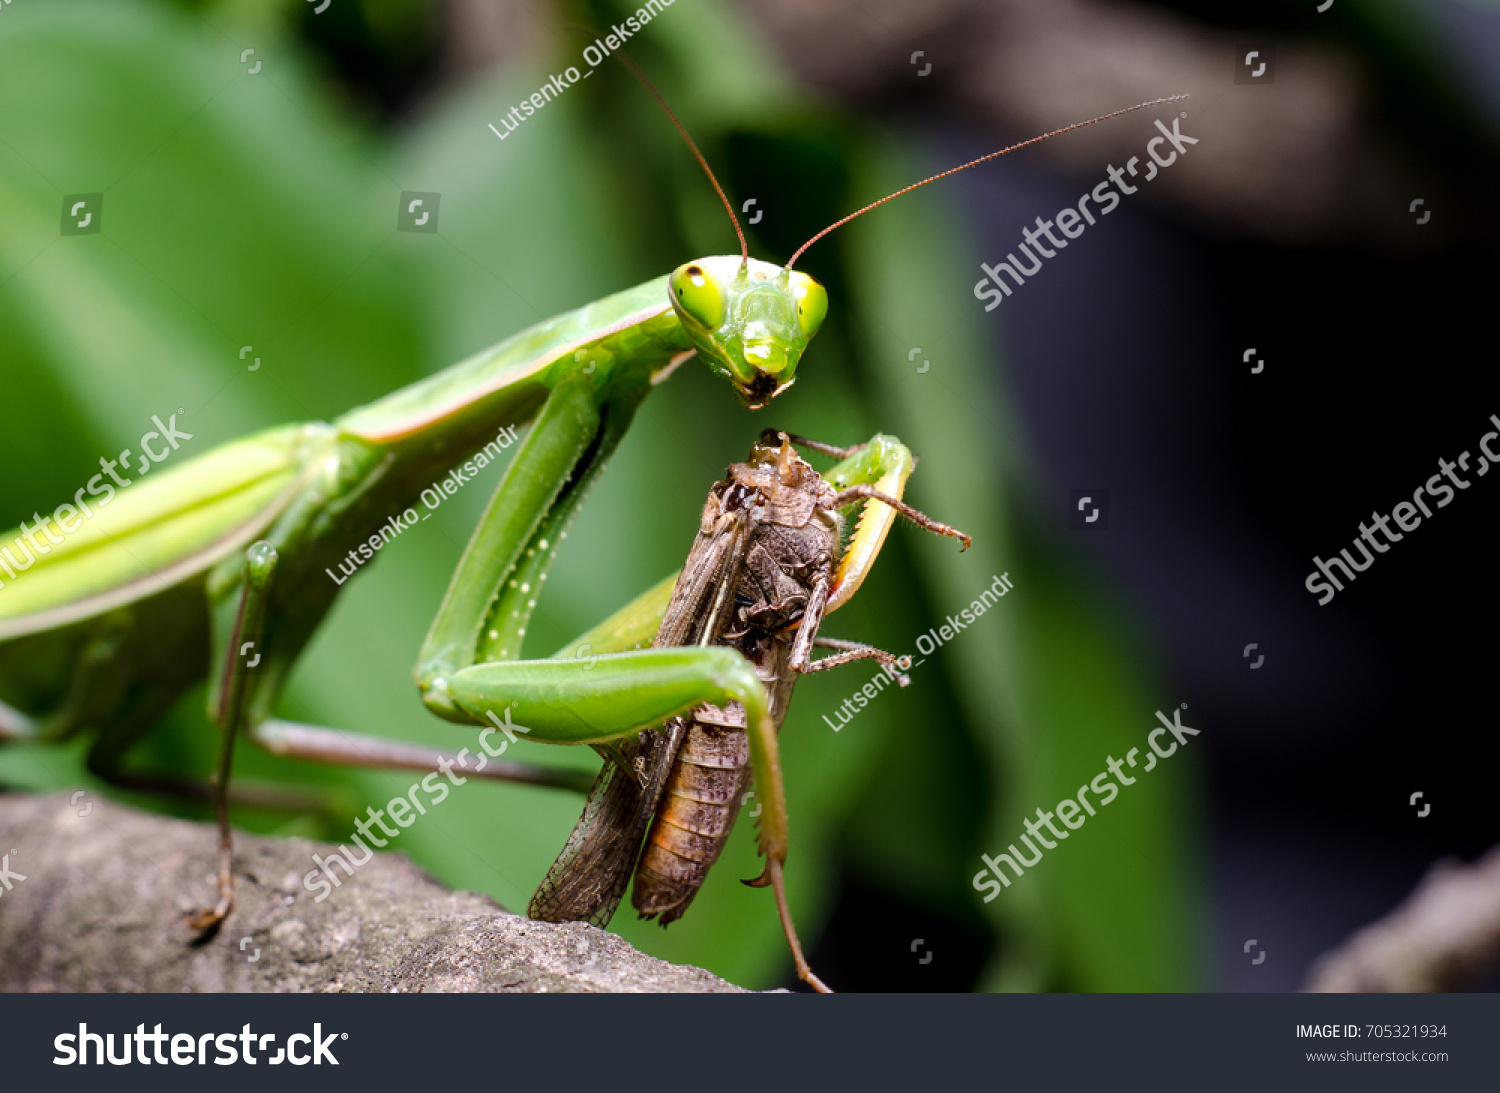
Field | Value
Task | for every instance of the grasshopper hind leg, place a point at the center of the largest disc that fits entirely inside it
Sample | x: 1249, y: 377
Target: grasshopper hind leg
x: 778, y: 886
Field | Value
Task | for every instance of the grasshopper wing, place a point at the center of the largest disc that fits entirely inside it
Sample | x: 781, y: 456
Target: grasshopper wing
x: 590, y: 875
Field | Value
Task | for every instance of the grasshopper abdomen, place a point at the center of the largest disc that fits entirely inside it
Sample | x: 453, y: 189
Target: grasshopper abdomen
x: 697, y: 810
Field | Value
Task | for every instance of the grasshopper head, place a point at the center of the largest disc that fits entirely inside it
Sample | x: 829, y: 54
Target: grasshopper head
x: 749, y: 320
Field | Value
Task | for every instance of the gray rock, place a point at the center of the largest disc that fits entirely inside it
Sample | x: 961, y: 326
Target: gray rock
x: 105, y: 897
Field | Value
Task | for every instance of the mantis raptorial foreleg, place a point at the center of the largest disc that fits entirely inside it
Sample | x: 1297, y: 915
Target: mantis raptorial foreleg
x: 610, y: 697
x: 470, y: 669
x: 493, y: 592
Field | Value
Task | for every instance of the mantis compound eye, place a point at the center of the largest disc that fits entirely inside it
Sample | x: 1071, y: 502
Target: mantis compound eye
x: 698, y: 295
x: 812, y: 303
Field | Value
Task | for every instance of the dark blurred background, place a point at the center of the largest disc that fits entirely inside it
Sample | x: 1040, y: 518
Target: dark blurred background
x: 259, y: 209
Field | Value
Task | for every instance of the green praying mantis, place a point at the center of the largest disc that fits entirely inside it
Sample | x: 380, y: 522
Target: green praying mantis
x: 223, y: 565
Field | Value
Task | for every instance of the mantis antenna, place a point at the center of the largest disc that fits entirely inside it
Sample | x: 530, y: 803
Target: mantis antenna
x: 635, y: 70
x: 966, y: 166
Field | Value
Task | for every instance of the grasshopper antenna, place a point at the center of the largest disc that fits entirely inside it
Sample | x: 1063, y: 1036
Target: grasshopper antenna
x: 966, y: 166
x: 635, y: 70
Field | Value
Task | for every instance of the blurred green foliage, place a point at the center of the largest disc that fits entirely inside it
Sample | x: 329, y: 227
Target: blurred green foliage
x: 260, y: 210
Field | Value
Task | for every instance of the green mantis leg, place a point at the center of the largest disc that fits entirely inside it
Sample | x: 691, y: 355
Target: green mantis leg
x: 631, y: 627
x: 596, y: 692
x: 875, y: 473
x: 314, y: 743
x: 484, y: 613
x: 240, y: 657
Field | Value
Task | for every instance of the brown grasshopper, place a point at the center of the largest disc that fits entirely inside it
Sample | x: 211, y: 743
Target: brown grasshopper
x: 768, y: 563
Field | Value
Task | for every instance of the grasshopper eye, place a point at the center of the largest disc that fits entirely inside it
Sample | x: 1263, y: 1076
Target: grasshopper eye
x: 698, y: 295
x: 812, y: 303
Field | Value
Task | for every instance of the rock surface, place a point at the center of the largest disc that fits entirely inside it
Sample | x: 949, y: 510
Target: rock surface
x: 104, y: 897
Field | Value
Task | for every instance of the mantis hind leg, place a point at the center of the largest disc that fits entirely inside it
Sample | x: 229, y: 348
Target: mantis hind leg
x: 316, y: 744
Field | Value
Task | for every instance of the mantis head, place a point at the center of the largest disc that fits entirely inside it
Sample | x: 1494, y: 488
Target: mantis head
x: 749, y: 320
